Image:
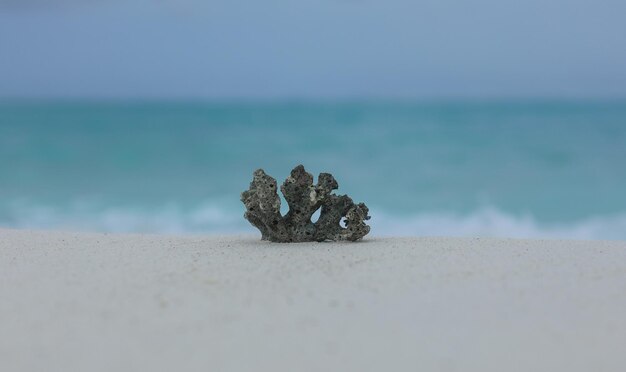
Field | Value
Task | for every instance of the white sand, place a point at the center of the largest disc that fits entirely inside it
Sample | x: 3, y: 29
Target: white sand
x: 94, y: 302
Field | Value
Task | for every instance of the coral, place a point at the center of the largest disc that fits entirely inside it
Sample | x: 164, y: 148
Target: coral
x: 304, y: 198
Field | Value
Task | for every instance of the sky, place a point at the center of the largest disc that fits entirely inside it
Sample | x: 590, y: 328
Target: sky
x: 312, y: 49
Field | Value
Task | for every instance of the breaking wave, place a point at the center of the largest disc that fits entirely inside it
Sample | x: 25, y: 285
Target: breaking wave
x: 492, y: 222
x: 169, y: 218
x: 211, y: 218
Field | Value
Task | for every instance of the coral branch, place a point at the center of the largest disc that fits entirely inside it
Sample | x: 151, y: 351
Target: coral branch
x: 304, y: 198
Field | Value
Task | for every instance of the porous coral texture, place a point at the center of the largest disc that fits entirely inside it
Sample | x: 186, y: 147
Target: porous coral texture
x: 304, y: 198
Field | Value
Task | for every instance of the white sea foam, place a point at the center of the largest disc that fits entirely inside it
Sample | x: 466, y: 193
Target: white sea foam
x: 492, y: 222
x: 212, y: 218
x: 169, y: 218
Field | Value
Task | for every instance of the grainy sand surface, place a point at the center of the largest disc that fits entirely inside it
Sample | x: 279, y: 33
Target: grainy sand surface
x: 95, y: 302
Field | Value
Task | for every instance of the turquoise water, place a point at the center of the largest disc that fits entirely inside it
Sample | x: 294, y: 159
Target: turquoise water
x: 474, y: 169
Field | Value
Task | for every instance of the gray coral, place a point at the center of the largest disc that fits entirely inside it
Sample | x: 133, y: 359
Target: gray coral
x: 304, y: 198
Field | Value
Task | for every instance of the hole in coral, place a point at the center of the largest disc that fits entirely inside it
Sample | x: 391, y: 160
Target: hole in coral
x: 284, y: 207
x: 316, y: 216
x: 343, y: 222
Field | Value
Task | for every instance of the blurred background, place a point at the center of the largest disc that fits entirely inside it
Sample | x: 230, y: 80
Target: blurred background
x: 456, y: 118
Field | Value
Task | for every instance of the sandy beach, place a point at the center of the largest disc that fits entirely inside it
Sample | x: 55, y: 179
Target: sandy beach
x: 102, y: 302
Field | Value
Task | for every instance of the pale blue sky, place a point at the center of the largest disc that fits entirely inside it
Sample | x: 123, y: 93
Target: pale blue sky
x: 318, y: 49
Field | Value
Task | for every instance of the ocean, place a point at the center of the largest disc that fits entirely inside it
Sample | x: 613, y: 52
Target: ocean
x: 507, y: 169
